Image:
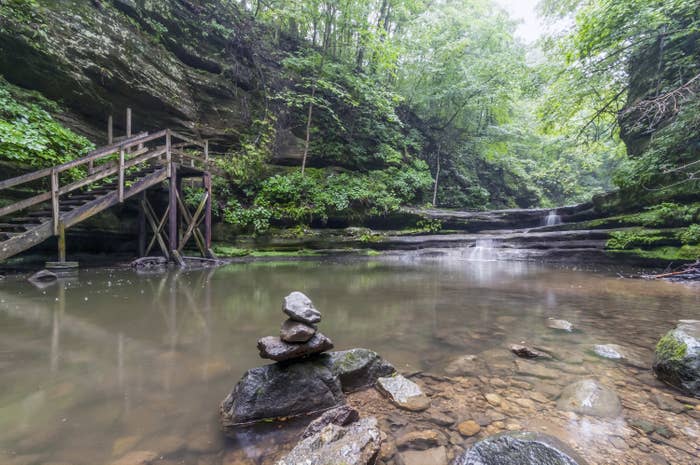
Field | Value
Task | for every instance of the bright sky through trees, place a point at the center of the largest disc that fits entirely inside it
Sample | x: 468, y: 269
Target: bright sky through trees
x: 530, y: 27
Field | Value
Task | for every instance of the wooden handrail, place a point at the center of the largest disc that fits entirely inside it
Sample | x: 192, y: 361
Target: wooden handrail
x: 141, y: 155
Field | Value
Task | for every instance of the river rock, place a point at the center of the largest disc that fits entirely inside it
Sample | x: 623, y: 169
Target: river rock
x: 296, y: 331
x: 520, y: 448
x: 341, y: 416
x: 300, y: 308
x: 528, y: 352
x: 356, y: 444
x: 357, y: 368
x: 465, y: 365
x: 536, y: 370
x: 281, y: 390
x: 420, y: 440
x: 619, y: 353
x: 561, y: 325
x: 403, y: 393
x: 677, y: 357
x: 276, y: 349
x: 434, y: 456
x: 588, y: 397
x: 468, y: 428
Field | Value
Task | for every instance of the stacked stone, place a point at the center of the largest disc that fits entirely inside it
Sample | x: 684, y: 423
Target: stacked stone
x: 299, y: 335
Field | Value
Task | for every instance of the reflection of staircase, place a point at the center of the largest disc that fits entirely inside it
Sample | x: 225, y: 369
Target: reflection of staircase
x: 100, y: 180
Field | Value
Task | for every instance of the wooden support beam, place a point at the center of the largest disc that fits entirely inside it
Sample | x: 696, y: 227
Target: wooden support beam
x: 197, y: 233
x: 128, y: 122
x: 110, y: 130
x: 121, y: 175
x: 194, y: 223
x: 54, y: 200
x: 207, y: 212
x: 157, y: 236
x: 142, y: 226
x: 206, y: 150
x: 61, y: 242
x: 172, y: 224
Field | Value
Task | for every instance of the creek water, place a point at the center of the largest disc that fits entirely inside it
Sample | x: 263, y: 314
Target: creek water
x: 111, y: 361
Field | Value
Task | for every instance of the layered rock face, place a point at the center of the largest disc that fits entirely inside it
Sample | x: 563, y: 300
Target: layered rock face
x: 194, y: 66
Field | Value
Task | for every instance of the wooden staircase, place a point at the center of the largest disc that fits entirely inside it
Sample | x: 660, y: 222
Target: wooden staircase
x: 86, y: 186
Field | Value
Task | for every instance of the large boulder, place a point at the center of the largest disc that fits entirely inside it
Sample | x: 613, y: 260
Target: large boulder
x: 305, y: 386
x: 281, y: 390
x: 589, y: 397
x: 677, y: 357
x: 355, y: 444
x: 358, y: 368
x: 520, y: 448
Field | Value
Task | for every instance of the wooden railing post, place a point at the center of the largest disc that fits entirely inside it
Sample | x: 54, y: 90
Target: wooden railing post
x: 110, y: 130
x: 168, y: 155
x: 121, y: 174
x: 61, y: 242
x: 206, y: 150
x: 54, y: 200
x: 128, y: 122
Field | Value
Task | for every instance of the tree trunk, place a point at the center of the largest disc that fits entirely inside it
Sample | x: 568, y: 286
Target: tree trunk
x: 437, y: 178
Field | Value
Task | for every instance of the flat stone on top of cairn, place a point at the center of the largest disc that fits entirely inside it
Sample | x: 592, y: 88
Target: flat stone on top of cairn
x: 300, y: 308
x: 298, y: 336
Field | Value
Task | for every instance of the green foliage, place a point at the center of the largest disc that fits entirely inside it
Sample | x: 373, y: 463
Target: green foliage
x: 690, y: 235
x: 290, y: 199
x: 429, y: 225
x: 29, y: 135
x: 621, y: 240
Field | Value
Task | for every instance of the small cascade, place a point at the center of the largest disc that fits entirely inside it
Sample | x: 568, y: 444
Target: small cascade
x: 552, y: 218
x: 483, y: 251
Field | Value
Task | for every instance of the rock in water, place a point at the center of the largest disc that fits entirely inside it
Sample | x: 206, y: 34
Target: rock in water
x: 341, y: 416
x: 561, y: 325
x: 281, y: 390
x: 434, y: 456
x: 356, y: 444
x: 276, y: 349
x: 358, y: 368
x: 300, y: 308
x: 296, y: 331
x: 589, y: 398
x: 528, y: 352
x: 619, y: 353
x: 404, y: 393
x: 677, y: 357
x: 521, y: 448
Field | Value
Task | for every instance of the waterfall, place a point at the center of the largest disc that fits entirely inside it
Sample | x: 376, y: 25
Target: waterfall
x: 484, y: 250
x: 552, y: 218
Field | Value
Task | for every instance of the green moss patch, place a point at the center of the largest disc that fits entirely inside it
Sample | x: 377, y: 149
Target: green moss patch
x: 670, y: 349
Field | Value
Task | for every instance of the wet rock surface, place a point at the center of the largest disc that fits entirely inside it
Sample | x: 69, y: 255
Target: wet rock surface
x: 341, y: 416
x: 355, y: 444
x: 295, y: 331
x: 281, y: 390
x: 677, y: 357
x: 358, y: 368
x: 300, y: 308
x: 403, y: 392
x: 561, y: 325
x: 522, y: 448
x: 620, y: 354
x: 589, y: 397
x: 274, y: 348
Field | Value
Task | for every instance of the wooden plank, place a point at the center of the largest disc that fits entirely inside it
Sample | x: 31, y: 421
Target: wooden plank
x: 120, y: 187
x: 61, y: 242
x: 207, y: 219
x: 110, y: 130
x: 187, y: 139
x: 103, y: 173
x: 26, y: 203
x: 108, y: 200
x: 33, y: 176
x: 25, y: 241
x: 142, y: 227
x: 54, y: 200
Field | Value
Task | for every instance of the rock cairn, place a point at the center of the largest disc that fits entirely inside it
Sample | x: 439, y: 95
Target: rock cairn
x: 299, y: 336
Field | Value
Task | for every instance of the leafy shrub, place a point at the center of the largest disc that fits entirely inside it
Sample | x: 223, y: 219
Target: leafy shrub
x: 621, y: 240
x: 690, y: 235
x: 28, y: 133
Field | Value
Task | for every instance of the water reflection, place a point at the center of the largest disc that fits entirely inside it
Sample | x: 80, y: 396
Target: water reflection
x: 111, y: 361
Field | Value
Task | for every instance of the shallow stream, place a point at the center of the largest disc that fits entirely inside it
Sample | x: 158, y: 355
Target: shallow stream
x: 111, y: 361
